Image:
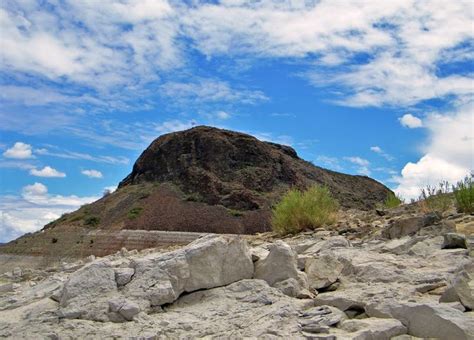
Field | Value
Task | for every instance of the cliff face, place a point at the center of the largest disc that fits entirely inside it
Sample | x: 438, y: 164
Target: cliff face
x: 199, y: 180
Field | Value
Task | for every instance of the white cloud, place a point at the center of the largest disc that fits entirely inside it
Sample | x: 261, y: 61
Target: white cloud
x: 410, y: 121
x: 35, y: 208
x: 378, y: 150
x: 47, y: 171
x: 110, y: 188
x: 363, y: 165
x: 98, y: 53
x: 329, y: 162
x: 448, y: 155
x: 66, y: 154
x: 19, y: 151
x: 209, y: 90
x: 92, y: 173
x: 36, y: 189
x: 405, y: 41
x: 223, y: 115
x: 358, y: 160
x: 174, y: 125
x: 429, y: 170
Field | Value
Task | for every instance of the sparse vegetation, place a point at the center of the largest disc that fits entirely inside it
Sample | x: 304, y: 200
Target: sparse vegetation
x: 299, y: 210
x: 436, y: 198
x: 464, y: 195
x: 392, y: 201
x: 235, y: 213
x: 134, y: 212
x: 193, y: 197
x: 92, y: 221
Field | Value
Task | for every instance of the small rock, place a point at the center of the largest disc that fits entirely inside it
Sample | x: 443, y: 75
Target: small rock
x: 333, y: 242
x: 123, y: 276
x: 454, y: 240
x: 289, y: 287
x: 6, y: 287
x: 17, y: 272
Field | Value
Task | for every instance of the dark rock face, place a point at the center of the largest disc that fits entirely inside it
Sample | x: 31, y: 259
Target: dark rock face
x: 240, y: 172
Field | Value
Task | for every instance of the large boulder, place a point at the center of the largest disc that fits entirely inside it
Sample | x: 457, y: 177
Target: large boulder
x: 409, y: 225
x: 157, y: 279
x: 428, y: 320
x: 322, y: 271
x: 463, y: 285
x: 373, y: 328
x: 279, y: 265
x: 82, y: 295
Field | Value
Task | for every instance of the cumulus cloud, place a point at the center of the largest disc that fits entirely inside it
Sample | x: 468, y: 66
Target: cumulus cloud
x: 33, y: 190
x: 448, y: 155
x: 92, y: 173
x: 410, y: 121
x: 33, y: 209
x: 47, y: 171
x: 19, y: 151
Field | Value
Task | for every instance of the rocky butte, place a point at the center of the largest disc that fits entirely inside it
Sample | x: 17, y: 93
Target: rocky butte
x: 200, y: 180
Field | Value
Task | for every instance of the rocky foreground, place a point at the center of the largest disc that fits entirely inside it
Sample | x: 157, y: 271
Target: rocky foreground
x: 405, y: 276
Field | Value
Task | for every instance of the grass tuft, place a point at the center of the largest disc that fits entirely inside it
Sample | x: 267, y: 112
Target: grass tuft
x: 299, y: 210
x: 392, y: 201
x: 464, y: 195
x: 134, y: 213
x: 92, y: 221
x: 436, y: 198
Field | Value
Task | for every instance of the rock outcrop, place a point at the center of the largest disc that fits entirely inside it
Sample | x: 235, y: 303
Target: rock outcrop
x: 107, y: 291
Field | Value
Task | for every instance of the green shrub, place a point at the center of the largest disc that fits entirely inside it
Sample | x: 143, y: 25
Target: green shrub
x: 464, y: 195
x: 92, y: 221
x: 392, y: 201
x: 298, y: 210
x: 436, y: 198
x: 235, y: 213
x: 193, y: 197
x: 134, y: 213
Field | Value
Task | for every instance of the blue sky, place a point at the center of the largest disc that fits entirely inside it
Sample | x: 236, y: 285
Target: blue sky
x: 382, y: 89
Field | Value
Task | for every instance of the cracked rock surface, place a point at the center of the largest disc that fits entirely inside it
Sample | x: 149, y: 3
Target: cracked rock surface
x: 323, y: 284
